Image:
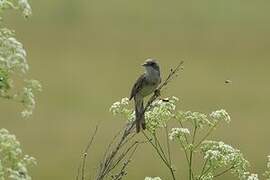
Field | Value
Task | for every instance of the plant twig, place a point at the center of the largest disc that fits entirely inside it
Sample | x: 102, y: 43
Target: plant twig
x: 82, y: 166
x: 223, y: 172
x: 155, y: 147
x: 185, y: 151
x: 120, y: 158
x: 203, y: 168
x: 191, y: 154
x: 206, y: 136
x: 110, y: 159
x: 161, y: 156
x: 122, y: 172
x: 168, y: 145
x: 158, y: 145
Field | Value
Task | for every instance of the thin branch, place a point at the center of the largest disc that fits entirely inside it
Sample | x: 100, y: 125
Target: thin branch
x: 171, y: 75
x: 122, y: 172
x: 160, y: 155
x: 208, y: 170
x: 111, y: 143
x: 155, y: 147
x: 206, y: 136
x: 120, y: 158
x: 187, y: 142
x: 181, y: 124
x: 183, y: 147
x: 203, y: 168
x: 108, y: 161
x: 160, y: 147
x: 168, y: 145
x: 82, y: 165
x: 191, y: 154
x: 79, y: 171
x: 223, y: 172
x: 185, y: 151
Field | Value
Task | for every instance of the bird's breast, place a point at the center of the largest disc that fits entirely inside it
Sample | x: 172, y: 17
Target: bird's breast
x: 149, y: 86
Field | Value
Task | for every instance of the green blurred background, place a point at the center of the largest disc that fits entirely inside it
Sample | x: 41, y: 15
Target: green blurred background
x: 87, y: 54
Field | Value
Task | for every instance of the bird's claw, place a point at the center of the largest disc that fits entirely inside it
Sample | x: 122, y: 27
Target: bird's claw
x: 157, y: 92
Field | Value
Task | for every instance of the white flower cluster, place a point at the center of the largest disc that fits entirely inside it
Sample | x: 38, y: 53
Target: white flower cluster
x: 12, y: 53
x: 13, y: 62
x: 253, y: 177
x: 121, y: 108
x: 161, y: 111
x: 23, y: 5
x: 4, y: 82
x: 248, y: 176
x: 219, y: 154
x: 28, y: 97
x: 152, y: 178
x: 178, y: 134
x: 6, y: 4
x: 207, y: 176
x: 13, y: 163
x: 220, y: 115
x: 200, y: 120
x: 196, y: 118
x: 267, y: 172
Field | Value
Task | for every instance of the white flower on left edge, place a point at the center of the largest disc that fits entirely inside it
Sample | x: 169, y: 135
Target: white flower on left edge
x: 14, y: 163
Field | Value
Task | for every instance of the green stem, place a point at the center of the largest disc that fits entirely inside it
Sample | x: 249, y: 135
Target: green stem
x: 185, y: 151
x: 206, y: 136
x: 184, y: 134
x: 161, y: 156
x: 187, y: 142
x: 168, y: 145
x: 223, y: 172
x: 190, y: 165
x: 191, y: 154
x: 158, y: 145
x: 155, y: 147
x: 203, y: 169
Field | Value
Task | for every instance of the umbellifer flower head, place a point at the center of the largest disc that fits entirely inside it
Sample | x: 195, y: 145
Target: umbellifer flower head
x: 220, y: 115
x: 178, y: 133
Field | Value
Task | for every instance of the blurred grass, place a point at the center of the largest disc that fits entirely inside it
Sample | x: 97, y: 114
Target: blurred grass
x: 87, y: 54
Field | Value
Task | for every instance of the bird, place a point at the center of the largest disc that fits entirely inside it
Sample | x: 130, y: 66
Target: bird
x: 145, y: 85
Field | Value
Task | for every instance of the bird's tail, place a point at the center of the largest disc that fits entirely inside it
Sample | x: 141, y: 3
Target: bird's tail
x: 140, y: 120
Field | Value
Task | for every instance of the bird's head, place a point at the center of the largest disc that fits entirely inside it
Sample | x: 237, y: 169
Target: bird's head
x: 151, y: 64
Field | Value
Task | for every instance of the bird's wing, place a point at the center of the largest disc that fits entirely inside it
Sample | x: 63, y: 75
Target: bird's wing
x: 137, y: 86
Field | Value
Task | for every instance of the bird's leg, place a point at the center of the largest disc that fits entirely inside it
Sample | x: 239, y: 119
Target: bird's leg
x: 157, y: 92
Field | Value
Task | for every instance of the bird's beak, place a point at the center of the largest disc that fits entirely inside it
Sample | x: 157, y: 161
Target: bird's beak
x: 144, y: 64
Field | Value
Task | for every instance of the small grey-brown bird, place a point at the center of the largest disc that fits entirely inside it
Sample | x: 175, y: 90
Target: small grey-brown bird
x: 144, y: 86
